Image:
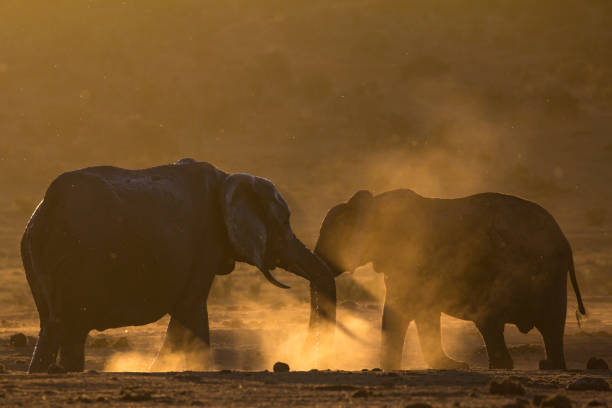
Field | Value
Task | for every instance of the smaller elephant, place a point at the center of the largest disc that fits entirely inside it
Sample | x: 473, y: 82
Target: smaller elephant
x: 489, y: 258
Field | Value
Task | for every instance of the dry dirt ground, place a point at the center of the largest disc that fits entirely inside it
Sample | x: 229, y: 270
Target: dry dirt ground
x: 247, y: 339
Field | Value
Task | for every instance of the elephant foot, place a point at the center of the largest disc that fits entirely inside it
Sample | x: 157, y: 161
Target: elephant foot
x: 505, y: 364
x: 551, y: 365
x: 447, y: 363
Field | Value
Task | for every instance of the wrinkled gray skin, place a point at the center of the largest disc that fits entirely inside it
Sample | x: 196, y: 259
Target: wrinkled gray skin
x: 109, y: 247
x: 489, y: 258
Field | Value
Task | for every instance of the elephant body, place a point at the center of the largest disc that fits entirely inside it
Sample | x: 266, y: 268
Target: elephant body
x: 110, y: 247
x: 489, y: 258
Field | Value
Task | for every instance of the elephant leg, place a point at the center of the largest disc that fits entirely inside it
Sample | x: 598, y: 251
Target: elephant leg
x: 394, y: 324
x: 72, y: 347
x: 493, y: 335
x: 428, y: 327
x: 552, y: 333
x: 46, y: 349
x: 196, y: 345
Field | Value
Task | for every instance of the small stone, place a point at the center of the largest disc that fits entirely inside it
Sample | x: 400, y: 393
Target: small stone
x: 596, y: 363
x: 557, y: 401
x: 18, y: 340
x: 377, y: 369
x: 597, y: 403
x: 84, y: 399
x: 589, y: 383
x: 280, y: 367
x: 507, y: 386
x: 56, y: 369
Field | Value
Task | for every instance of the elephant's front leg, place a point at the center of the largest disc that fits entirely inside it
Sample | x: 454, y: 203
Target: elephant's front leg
x: 428, y: 327
x: 394, y: 324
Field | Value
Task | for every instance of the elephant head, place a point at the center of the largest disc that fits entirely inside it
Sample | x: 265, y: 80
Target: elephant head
x: 342, y: 242
x: 257, y: 222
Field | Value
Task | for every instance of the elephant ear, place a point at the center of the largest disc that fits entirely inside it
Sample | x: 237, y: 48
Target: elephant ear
x: 242, y: 213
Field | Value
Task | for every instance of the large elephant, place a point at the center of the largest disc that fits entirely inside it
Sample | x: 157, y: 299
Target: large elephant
x: 110, y: 247
x: 489, y: 258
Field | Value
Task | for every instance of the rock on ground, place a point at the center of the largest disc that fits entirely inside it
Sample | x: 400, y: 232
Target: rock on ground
x: 589, y: 383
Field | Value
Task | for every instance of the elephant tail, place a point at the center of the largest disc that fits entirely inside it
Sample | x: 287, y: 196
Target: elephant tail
x: 572, y: 274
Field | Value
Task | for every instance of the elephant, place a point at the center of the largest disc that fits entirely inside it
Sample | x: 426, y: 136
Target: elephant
x: 488, y: 258
x: 109, y: 247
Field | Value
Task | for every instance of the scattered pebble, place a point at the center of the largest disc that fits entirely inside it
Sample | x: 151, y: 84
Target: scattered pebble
x: 597, y: 403
x: 596, y: 363
x: 56, y: 369
x: 557, y: 401
x: 84, y: 399
x: 507, y: 386
x: 18, y: 340
x: 377, y: 369
x: 589, y: 383
x: 280, y: 367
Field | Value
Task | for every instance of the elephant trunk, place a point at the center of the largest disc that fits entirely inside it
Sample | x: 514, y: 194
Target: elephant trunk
x: 320, y: 338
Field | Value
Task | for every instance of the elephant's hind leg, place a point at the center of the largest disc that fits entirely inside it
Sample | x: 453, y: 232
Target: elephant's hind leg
x: 46, y: 349
x: 171, y: 350
x: 493, y: 335
x: 187, y: 342
x: 428, y: 327
x: 552, y: 333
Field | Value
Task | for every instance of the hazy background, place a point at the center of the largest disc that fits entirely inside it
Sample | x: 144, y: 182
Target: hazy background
x: 448, y: 98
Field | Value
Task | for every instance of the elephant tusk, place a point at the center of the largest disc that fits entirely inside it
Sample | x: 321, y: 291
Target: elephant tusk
x: 273, y: 280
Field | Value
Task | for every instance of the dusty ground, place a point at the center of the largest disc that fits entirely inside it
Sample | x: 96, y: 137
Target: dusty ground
x: 248, y: 338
